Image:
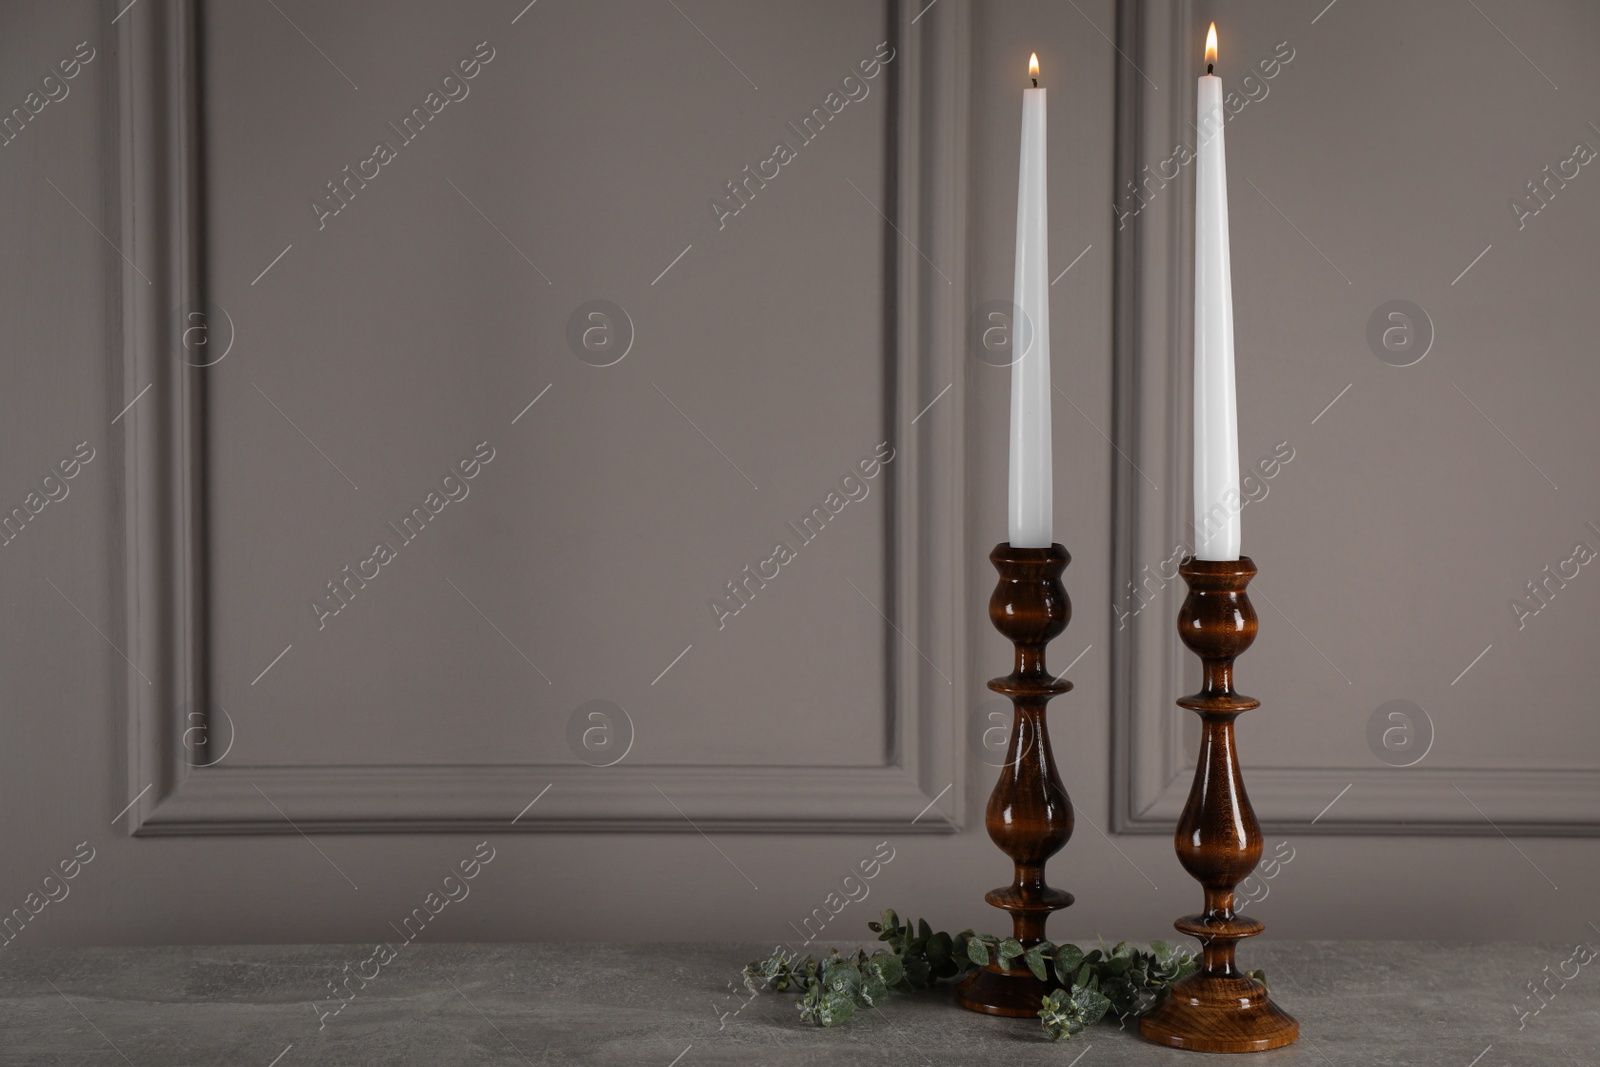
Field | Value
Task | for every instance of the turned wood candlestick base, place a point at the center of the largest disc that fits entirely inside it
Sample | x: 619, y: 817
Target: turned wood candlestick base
x: 1218, y: 1008
x: 1029, y: 815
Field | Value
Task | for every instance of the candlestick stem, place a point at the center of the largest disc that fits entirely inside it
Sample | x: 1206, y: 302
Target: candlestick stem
x: 1029, y: 815
x: 1218, y: 1008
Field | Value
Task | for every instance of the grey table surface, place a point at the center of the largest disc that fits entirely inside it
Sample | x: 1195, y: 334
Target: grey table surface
x: 1402, y: 1003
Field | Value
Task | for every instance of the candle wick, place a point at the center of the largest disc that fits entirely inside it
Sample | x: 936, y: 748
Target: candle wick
x: 1210, y: 68
x: 1035, y: 83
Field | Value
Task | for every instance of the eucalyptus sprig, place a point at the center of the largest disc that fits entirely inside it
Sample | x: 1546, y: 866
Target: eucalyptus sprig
x: 1122, y: 980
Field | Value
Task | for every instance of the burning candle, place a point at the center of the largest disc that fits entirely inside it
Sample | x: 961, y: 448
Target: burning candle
x: 1216, y: 416
x: 1030, y: 496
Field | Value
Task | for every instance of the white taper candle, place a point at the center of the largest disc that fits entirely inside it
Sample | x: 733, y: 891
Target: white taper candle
x: 1216, y: 419
x: 1030, y: 501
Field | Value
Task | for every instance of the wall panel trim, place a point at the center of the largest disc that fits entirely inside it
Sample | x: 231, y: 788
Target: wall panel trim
x: 919, y: 790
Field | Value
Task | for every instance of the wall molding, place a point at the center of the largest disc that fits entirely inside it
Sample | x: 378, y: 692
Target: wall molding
x: 1152, y: 761
x: 919, y: 790
x: 163, y: 464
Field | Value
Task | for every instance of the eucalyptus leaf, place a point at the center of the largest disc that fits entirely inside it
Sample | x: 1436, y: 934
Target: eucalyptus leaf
x: 1091, y: 1005
x: 836, y: 1008
x: 961, y: 950
x: 940, y: 948
x: 887, y: 966
x: 843, y: 978
x: 918, y: 974
x: 1068, y: 958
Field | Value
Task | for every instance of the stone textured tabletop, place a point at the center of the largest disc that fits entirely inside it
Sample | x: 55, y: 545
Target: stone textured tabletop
x: 1359, y: 1003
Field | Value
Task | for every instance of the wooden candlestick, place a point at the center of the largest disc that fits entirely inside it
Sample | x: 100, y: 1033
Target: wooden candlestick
x: 1218, y: 1008
x: 1029, y: 815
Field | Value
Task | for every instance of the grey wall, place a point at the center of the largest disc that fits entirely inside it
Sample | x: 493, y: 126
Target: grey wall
x: 419, y: 320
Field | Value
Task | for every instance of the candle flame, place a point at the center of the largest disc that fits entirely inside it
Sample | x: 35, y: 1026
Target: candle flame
x: 1033, y: 65
x: 1211, y: 44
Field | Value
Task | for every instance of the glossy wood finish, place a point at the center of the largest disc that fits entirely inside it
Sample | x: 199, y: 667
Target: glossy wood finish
x: 1218, y: 1008
x: 1029, y: 814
